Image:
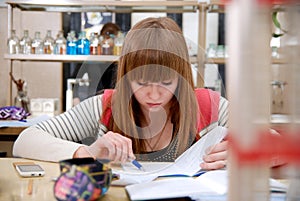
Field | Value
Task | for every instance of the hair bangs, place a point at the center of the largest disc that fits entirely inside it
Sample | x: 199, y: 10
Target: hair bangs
x: 152, y: 73
x: 153, y: 65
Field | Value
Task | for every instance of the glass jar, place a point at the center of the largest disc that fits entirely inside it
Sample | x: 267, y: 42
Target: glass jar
x: 25, y: 43
x: 83, y: 44
x: 13, y: 43
x: 107, y: 44
x: 71, y: 43
x: 220, y: 51
x: 118, y: 43
x: 95, y: 48
x: 37, y: 44
x: 60, y: 44
x: 48, y: 43
x: 211, y: 50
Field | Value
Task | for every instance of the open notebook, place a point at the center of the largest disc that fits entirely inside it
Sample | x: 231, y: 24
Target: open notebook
x: 175, y: 180
x: 211, y: 185
x: 186, y: 164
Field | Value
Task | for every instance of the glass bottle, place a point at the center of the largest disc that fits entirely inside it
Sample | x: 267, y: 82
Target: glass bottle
x: 118, y: 43
x: 48, y: 43
x: 13, y: 43
x: 107, y: 44
x: 83, y: 44
x: 212, y: 50
x: 60, y: 44
x: 25, y: 43
x: 71, y: 43
x: 37, y: 44
x: 220, y: 51
x: 94, y: 44
x: 275, y: 52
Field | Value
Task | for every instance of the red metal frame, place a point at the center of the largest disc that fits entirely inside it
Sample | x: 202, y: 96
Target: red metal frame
x: 268, y: 146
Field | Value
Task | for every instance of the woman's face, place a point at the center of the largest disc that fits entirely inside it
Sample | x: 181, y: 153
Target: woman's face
x: 154, y: 95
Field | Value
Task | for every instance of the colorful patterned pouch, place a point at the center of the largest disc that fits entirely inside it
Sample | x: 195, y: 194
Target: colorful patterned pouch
x: 82, y: 179
x: 13, y: 113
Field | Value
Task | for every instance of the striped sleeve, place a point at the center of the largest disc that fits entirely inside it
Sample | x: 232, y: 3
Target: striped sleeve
x: 223, y: 112
x: 79, y: 122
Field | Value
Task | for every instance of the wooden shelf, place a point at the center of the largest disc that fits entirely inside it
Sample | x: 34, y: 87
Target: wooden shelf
x: 217, y: 2
x: 68, y: 58
x: 278, y: 61
x: 223, y: 61
x: 121, y: 6
x: 61, y: 58
x: 215, y: 61
x: 218, y: 6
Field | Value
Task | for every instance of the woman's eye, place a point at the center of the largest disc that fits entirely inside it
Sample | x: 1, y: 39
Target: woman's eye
x: 167, y: 82
x: 142, y: 83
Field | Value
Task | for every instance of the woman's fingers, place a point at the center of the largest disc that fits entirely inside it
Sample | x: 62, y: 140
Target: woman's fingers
x: 119, y: 148
x: 216, y: 156
x: 222, y: 146
x: 214, y: 165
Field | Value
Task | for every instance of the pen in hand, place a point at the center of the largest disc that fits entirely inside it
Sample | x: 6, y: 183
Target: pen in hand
x: 133, y: 161
x: 130, y: 159
x: 137, y: 164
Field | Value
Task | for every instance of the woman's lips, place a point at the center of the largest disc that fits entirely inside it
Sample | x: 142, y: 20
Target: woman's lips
x: 154, y: 104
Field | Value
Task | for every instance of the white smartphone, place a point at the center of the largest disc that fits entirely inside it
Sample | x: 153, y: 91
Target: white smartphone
x: 30, y: 170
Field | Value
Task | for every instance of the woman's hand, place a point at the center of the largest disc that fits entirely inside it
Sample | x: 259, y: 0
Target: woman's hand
x: 112, y: 146
x: 216, y: 156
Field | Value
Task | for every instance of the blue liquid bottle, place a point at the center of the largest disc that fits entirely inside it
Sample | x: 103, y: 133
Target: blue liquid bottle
x: 83, y: 44
x: 71, y: 43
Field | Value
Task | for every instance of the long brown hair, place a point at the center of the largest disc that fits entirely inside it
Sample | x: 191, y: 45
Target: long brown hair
x: 154, y: 50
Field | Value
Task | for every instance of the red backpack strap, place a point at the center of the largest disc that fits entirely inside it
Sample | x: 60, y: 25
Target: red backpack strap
x: 106, y: 106
x: 208, y: 103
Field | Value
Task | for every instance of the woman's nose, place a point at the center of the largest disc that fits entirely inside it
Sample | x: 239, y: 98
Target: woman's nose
x: 154, y: 91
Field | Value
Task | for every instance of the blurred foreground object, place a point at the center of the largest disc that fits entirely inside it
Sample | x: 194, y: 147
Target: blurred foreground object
x: 82, y: 179
x: 252, y: 147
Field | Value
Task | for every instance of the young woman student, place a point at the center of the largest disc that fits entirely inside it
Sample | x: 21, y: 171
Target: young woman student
x: 154, y: 113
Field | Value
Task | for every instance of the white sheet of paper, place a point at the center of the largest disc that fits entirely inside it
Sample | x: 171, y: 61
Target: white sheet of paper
x: 187, y: 163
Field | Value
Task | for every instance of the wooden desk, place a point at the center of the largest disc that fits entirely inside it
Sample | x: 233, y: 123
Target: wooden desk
x: 14, y: 187
x: 10, y: 133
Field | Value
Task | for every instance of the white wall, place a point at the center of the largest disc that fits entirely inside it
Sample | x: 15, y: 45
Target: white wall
x: 44, y: 79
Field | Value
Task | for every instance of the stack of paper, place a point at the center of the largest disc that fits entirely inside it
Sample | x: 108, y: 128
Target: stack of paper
x: 212, y: 185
